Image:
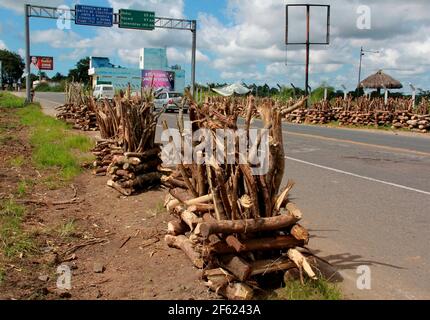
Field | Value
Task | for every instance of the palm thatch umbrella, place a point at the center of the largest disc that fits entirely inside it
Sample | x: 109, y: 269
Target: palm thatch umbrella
x: 380, y: 80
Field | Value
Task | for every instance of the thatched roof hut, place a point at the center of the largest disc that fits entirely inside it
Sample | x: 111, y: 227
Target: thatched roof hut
x: 379, y: 81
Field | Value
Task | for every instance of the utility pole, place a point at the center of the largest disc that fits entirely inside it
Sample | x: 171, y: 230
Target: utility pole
x: 362, y: 51
x: 27, y: 53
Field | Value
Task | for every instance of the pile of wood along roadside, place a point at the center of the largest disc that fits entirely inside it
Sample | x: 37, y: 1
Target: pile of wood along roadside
x: 77, y: 111
x: 127, y: 152
x: 238, y: 227
x: 397, y: 113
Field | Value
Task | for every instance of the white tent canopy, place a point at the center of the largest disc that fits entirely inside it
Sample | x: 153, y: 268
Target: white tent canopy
x: 235, y: 88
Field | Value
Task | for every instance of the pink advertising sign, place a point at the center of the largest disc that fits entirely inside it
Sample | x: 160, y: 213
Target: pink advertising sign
x: 158, y: 79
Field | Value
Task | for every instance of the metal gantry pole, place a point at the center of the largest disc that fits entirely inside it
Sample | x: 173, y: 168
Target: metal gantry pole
x: 307, y: 50
x: 27, y: 53
x: 193, y: 57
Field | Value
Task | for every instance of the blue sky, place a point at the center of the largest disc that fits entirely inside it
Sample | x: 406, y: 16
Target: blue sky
x: 244, y: 39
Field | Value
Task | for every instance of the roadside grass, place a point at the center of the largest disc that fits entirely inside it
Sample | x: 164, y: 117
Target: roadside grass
x: 158, y: 209
x: 23, y: 187
x: 9, y: 100
x: 54, y: 145
x: 13, y: 240
x: 67, y: 229
x: 320, y: 289
x: 17, y: 161
x: 2, y: 275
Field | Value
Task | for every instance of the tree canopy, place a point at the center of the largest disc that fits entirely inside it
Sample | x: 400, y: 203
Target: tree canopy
x: 12, y: 66
x: 80, y: 73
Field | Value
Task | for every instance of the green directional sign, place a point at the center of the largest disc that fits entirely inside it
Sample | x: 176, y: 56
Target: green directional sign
x: 134, y: 19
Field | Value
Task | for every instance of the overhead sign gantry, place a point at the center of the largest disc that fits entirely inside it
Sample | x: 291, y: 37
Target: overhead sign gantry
x: 105, y: 17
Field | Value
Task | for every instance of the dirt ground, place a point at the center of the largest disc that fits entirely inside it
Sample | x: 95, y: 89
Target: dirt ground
x: 122, y: 237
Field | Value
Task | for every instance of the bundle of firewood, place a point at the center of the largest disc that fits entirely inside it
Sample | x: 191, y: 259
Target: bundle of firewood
x: 397, y: 113
x: 413, y: 122
x: 128, y: 153
x: 76, y: 110
x: 236, y: 226
x: 80, y: 116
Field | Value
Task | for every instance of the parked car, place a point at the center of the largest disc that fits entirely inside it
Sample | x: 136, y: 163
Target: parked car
x: 172, y: 101
x: 104, y: 91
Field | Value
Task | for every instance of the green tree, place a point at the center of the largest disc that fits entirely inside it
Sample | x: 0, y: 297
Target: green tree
x: 58, y: 77
x: 80, y: 73
x: 12, y: 66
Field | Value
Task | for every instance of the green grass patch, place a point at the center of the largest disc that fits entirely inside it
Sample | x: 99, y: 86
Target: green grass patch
x: 55, y: 146
x: 67, y: 229
x: 23, y: 187
x: 13, y: 240
x: 18, y: 161
x: 9, y: 100
x: 2, y: 275
x: 320, y: 289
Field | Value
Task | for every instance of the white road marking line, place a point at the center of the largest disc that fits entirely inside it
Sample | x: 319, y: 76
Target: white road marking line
x: 359, y: 176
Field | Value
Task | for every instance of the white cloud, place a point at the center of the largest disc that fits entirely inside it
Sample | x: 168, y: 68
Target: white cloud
x: 18, y: 5
x: 255, y: 36
x: 2, y: 45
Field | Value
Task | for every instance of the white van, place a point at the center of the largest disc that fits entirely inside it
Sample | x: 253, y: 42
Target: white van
x: 104, y: 91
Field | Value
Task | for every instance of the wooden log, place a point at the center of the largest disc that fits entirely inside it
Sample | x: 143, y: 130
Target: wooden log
x: 258, y: 244
x: 173, y: 203
x: 188, y: 217
x: 143, y: 155
x: 119, y: 188
x: 218, y: 276
x: 268, y: 266
x: 147, y: 166
x: 221, y: 282
x: 177, y: 227
x: 233, y: 242
x: 173, y: 182
x: 237, y: 291
x: 249, y: 225
x: 237, y: 266
x: 125, y: 174
x: 201, y: 208
x: 143, y: 181
x: 301, y: 262
x: 300, y: 233
x: 186, y: 245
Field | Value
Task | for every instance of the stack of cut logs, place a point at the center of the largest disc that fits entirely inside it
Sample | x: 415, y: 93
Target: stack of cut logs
x: 80, y: 116
x: 397, y: 113
x: 76, y: 110
x: 235, y: 226
x: 127, y: 153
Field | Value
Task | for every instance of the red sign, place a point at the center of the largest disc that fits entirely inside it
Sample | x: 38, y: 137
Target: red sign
x: 43, y: 63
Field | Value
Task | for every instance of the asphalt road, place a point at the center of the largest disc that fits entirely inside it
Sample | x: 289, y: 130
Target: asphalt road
x: 366, y: 200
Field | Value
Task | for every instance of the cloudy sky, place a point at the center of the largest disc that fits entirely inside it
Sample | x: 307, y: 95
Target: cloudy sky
x: 245, y: 39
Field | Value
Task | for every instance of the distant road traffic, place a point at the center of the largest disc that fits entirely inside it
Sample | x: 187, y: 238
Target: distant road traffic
x: 365, y: 197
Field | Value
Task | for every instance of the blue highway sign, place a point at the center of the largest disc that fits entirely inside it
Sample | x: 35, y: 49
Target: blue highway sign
x: 93, y: 16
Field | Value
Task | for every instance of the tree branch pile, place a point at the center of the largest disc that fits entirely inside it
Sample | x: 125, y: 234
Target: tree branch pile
x: 76, y: 110
x: 397, y: 114
x: 236, y: 226
x: 127, y: 152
